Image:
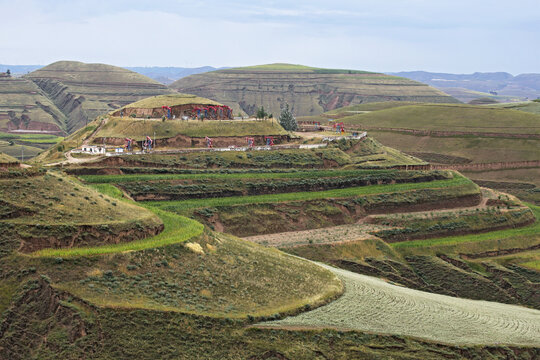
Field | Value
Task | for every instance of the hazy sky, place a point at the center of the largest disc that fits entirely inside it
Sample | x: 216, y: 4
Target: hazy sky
x: 391, y: 35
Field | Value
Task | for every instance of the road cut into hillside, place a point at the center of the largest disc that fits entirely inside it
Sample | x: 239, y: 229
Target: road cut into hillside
x: 373, y: 305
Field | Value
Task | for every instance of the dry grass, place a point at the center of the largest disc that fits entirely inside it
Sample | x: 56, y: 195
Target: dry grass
x: 171, y: 100
x: 370, y: 304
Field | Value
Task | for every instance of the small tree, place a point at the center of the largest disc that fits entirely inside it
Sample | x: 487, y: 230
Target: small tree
x: 261, y: 113
x: 287, y: 120
x: 8, y: 72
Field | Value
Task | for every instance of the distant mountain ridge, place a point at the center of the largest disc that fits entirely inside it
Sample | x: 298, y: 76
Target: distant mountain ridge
x: 19, y: 69
x: 168, y: 75
x: 523, y: 86
x: 164, y: 74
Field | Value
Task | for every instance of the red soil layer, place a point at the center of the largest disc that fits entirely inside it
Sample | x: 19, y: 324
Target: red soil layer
x: 183, y: 141
x: 188, y: 110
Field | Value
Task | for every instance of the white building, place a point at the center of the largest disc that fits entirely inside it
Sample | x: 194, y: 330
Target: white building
x: 93, y: 149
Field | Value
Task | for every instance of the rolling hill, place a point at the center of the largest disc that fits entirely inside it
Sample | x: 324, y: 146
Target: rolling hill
x: 308, y: 90
x: 84, y: 91
x: 494, y: 144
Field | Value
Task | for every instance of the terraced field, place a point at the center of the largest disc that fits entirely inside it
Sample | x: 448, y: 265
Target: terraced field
x: 370, y: 304
x: 457, y: 184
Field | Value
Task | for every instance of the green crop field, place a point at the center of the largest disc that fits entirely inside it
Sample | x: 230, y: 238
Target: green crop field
x: 373, y: 305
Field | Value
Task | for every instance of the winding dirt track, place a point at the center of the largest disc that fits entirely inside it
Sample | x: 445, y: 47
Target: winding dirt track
x: 370, y: 304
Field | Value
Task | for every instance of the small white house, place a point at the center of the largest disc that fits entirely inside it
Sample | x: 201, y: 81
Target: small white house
x: 118, y: 150
x: 93, y: 149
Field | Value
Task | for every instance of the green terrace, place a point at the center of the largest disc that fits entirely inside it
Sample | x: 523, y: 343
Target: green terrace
x: 97, y: 179
x: 522, y: 237
x: 457, y: 183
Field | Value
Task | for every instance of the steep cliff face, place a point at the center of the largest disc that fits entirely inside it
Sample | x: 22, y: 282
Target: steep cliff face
x: 309, y: 91
x: 23, y: 106
x: 84, y: 91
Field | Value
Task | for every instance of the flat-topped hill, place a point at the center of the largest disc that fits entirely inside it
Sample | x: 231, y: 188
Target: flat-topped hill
x: 83, y: 91
x: 308, y: 90
x: 176, y: 106
x: 170, y: 100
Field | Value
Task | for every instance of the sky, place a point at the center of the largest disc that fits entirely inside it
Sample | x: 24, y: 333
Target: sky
x: 452, y: 36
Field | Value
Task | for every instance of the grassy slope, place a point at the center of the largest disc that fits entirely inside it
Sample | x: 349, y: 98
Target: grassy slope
x: 211, y: 275
x: 54, y: 199
x: 297, y: 68
x: 450, y: 118
x: 146, y: 334
x: 4, y: 158
x: 53, y: 211
x: 243, y: 272
x: 365, y: 154
x: 462, y: 118
x: 528, y: 106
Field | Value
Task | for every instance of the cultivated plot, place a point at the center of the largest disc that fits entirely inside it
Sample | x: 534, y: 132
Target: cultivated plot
x: 370, y: 304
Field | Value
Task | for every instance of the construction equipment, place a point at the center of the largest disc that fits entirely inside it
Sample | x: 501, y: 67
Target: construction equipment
x: 269, y: 140
x: 209, y: 142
